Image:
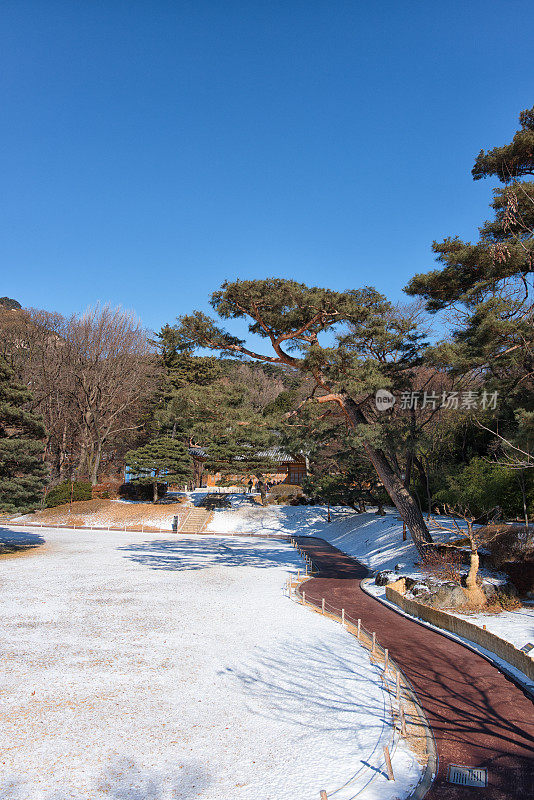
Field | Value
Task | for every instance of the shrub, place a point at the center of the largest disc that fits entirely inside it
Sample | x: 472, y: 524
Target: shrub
x: 286, y: 491
x: 506, y: 543
x: 481, y: 486
x: 60, y: 494
x: 141, y: 491
x: 504, y: 601
x: 443, y: 565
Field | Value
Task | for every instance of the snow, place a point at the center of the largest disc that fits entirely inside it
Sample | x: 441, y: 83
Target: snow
x: 516, y: 627
x: 155, y: 667
x: 374, y: 540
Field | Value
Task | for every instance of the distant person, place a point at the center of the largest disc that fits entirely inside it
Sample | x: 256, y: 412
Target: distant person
x: 262, y: 491
x: 250, y: 485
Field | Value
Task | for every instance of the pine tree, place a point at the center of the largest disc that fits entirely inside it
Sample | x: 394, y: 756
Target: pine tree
x: 22, y: 471
x: 375, y: 349
x: 489, y: 286
x: 205, y: 404
x: 163, y: 459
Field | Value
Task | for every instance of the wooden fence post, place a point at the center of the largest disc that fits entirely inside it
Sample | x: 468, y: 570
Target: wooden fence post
x: 402, y: 721
x: 374, y: 644
x: 322, y: 605
x: 386, y: 659
x: 359, y: 627
x: 398, y: 686
x: 323, y: 795
x: 389, y: 768
x: 304, y: 598
x: 343, y: 616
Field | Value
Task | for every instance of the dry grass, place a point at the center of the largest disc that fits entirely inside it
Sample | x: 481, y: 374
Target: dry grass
x: 106, y: 512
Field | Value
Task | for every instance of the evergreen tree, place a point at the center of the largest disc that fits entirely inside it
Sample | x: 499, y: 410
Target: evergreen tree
x: 206, y: 404
x: 163, y: 459
x: 8, y: 302
x: 376, y: 348
x: 22, y: 471
x: 490, y: 286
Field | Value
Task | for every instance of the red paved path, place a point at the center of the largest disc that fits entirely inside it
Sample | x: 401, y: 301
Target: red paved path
x: 478, y: 716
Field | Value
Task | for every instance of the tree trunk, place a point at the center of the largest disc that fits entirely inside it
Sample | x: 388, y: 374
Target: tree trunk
x: 62, y: 456
x: 155, y: 495
x: 474, y: 593
x: 408, y: 471
x: 394, y: 486
x: 424, y: 475
x: 520, y: 476
x: 97, y: 455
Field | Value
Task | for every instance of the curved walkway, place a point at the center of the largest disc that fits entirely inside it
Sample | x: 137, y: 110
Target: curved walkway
x: 478, y: 716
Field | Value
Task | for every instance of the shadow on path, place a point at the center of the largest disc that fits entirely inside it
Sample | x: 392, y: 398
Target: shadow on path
x: 479, y: 717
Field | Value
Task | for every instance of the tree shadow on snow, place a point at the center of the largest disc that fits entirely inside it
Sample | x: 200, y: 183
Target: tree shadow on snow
x: 204, y: 553
x: 125, y: 780
x: 17, y: 541
x: 323, y: 689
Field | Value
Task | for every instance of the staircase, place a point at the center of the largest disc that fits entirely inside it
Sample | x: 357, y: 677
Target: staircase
x: 195, y: 520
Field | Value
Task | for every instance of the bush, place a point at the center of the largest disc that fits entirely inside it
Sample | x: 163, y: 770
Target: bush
x: 141, y: 491
x: 504, y: 600
x: 507, y: 543
x: 286, y: 491
x: 60, y: 494
x: 481, y: 486
x: 445, y: 565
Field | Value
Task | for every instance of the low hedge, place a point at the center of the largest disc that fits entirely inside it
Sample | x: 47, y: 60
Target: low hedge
x: 62, y: 493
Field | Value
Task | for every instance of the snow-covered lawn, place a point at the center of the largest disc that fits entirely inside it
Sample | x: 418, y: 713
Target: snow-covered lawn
x: 151, y: 667
x: 374, y: 540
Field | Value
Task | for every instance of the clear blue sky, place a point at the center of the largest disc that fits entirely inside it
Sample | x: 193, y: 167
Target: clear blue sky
x: 150, y: 150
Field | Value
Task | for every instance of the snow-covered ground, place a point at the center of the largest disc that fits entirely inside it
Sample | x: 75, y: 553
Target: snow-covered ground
x: 516, y: 627
x: 374, y: 540
x: 151, y: 667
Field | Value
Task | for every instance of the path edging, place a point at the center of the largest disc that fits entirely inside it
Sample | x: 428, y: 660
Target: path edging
x: 517, y: 677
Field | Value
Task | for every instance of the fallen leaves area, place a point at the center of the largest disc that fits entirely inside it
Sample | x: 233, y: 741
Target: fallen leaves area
x: 104, y: 513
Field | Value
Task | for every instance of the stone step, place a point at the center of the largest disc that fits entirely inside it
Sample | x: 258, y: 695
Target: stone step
x: 195, y: 521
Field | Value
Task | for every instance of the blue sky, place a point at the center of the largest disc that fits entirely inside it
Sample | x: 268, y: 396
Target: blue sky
x: 150, y: 150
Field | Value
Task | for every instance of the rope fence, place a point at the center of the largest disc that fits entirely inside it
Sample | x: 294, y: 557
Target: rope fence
x: 398, y: 688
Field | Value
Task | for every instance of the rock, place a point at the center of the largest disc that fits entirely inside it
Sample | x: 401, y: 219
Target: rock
x: 490, y: 592
x: 448, y: 595
x: 509, y: 589
x: 385, y: 577
x: 420, y: 590
x: 410, y: 582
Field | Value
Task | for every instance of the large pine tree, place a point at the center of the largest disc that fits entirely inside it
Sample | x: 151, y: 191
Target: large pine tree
x: 373, y: 351
x: 22, y: 471
x: 489, y: 285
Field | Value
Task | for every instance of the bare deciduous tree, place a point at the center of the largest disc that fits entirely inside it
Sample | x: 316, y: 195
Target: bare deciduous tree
x: 112, y: 372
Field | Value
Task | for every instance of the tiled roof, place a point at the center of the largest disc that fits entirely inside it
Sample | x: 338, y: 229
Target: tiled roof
x: 277, y: 455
